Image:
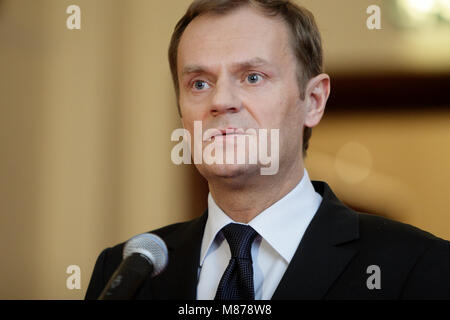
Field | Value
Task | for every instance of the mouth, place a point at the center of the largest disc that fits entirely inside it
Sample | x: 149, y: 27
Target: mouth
x: 227, y: 132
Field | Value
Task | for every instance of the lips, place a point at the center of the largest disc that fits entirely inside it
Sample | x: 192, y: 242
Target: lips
x: 229, y: 131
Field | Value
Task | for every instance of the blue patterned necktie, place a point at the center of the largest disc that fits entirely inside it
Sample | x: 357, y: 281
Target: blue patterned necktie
x: 237, y: 280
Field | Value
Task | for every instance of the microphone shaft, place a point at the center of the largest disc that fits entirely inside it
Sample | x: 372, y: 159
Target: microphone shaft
x: 128, y: 277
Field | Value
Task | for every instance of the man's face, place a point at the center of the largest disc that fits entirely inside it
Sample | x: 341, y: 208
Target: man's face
x: 238, y: 70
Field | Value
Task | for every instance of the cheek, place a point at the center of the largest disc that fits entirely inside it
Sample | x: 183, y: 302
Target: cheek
x: 265, y: 109
x: 289, y: 119
x: 281, y: 113
x: 189, y: 115
x: 277, y: 107
x: 193, y: 110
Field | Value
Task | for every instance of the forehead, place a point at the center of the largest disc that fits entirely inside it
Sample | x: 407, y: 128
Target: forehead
x: 240, y: 35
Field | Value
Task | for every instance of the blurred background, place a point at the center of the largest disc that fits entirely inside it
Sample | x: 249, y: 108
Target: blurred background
x: 86, y: 117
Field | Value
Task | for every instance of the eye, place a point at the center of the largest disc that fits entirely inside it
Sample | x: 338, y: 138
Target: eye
x: 253, y: 78
x: 200, y: 85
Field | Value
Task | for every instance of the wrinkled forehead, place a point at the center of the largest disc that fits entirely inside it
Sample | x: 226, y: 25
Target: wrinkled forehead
x: 234, y: 37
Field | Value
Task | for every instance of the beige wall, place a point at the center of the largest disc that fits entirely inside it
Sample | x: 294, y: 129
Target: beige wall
x: 392, y: 163
x: 86, y: 118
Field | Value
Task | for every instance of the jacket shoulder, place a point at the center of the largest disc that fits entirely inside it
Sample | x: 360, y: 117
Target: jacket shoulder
x: 384, y: 230
x: 430, y: 277
x: 111, y: 257
x: 163, y: 232
x: 420, y: 258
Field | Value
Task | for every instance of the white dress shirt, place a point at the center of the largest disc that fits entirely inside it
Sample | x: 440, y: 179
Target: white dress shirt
x: 280, y: 228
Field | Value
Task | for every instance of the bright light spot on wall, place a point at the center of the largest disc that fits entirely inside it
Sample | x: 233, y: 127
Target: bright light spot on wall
x: 418, y: 7
x: 418, y: 13
x: 444, y: 8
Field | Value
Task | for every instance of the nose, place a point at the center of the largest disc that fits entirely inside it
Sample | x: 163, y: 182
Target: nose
x: 225, y: 98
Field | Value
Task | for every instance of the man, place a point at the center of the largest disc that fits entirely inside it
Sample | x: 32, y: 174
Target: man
x: 257, y: 64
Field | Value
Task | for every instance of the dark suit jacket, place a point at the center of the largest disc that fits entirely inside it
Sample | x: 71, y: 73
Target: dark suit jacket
x: 331, y: 260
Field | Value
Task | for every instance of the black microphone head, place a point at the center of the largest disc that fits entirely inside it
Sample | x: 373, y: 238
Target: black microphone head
x: 151, y: 247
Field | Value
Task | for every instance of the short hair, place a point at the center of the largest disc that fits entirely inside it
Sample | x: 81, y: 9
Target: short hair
x: 305, y: 38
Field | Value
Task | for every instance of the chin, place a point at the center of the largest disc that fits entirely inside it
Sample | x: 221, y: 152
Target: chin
x: 228, y: 171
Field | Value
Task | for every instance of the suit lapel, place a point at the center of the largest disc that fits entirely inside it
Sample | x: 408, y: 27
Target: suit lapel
x: 179, y: 280
x: 319, y: 260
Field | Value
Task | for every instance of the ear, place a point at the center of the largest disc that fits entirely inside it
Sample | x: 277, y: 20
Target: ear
x: 316, y: 96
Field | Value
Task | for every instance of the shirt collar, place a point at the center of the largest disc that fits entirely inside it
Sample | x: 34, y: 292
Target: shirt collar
x: 282, y: 224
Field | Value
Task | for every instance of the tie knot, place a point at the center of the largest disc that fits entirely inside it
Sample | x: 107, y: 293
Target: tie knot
x: 240, y: 238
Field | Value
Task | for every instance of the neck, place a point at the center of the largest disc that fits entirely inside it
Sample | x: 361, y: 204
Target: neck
x: 243, y: 202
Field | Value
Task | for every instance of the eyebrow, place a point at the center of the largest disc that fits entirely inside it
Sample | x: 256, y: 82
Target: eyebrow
x: 252, y: 63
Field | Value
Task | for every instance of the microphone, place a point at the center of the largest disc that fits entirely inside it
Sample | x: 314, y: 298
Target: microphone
x: 143, y: 255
